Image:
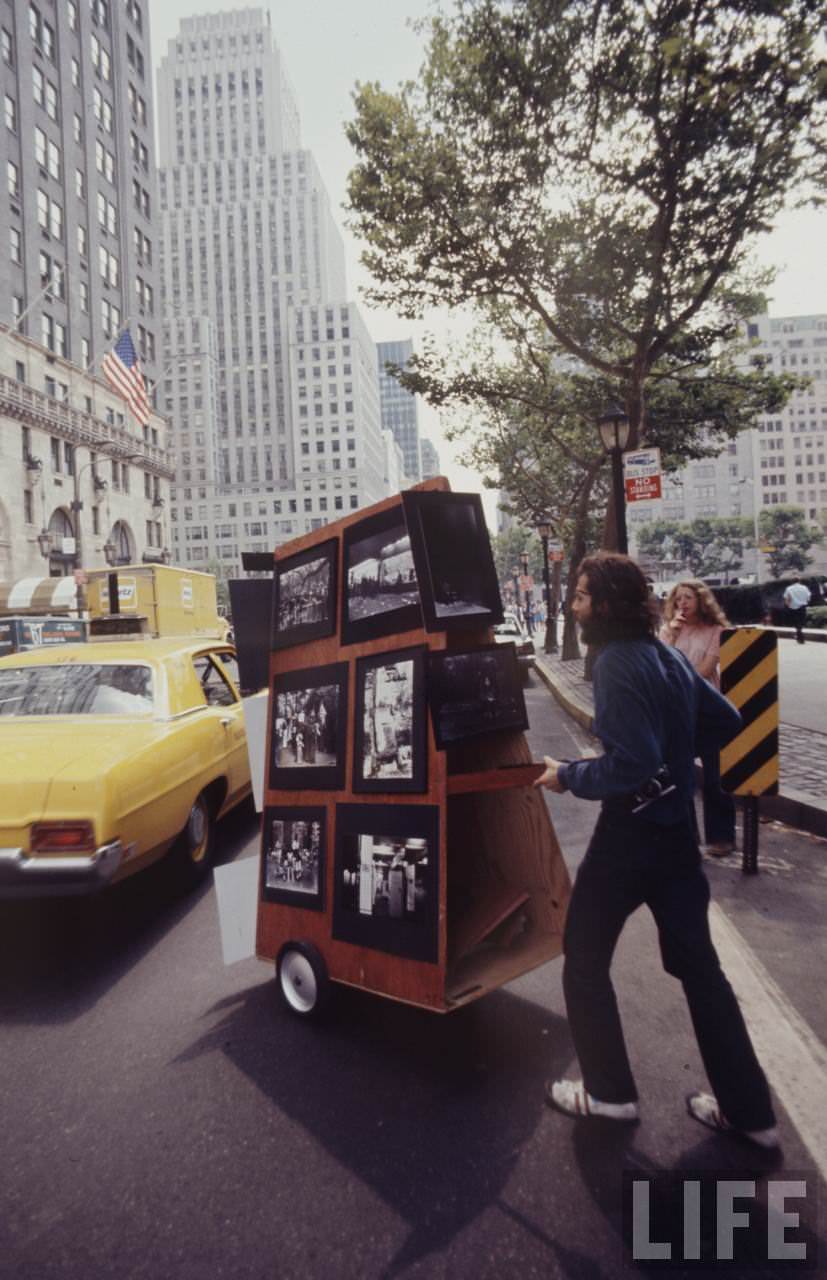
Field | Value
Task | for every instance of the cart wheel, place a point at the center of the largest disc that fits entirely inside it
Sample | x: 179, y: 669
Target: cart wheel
x: 302, y: 977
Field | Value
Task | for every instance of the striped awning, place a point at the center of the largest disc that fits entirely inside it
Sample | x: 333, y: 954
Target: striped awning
x: 38, y: 595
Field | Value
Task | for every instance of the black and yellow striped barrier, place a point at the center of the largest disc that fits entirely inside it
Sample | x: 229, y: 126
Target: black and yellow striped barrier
x: 749, y: 763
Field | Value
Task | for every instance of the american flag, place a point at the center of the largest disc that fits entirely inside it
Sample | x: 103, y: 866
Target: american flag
x: 122, y: 370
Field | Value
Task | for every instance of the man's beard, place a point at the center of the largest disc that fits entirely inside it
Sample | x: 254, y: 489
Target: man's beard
x: 594, y: 631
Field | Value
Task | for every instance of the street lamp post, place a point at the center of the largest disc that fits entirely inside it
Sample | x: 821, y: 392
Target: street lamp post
x: 550, y: 645
x: 613, y: 425
x: 76, y: 506
x: 515, y: 574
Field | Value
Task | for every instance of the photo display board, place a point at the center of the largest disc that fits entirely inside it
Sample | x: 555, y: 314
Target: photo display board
x: 386, y: 699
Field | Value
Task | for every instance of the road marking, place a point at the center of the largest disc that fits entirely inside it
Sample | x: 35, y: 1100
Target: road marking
x: 792, y: 1056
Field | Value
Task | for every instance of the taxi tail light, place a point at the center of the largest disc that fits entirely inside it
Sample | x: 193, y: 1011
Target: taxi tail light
x: 62, y: 837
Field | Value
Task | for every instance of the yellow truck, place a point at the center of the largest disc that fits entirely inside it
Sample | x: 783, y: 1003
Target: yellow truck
x: 153, y: 600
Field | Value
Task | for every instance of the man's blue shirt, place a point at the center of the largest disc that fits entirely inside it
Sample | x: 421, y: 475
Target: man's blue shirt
x: 651, y: 709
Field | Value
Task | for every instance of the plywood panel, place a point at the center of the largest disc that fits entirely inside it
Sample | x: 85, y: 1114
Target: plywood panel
x: 495, y: 833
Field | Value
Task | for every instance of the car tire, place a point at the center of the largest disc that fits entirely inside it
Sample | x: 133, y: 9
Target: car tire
x: 302, y: 979
x: 194, y: 847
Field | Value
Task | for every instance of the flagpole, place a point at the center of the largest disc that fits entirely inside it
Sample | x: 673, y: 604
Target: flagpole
x: 49, y: 285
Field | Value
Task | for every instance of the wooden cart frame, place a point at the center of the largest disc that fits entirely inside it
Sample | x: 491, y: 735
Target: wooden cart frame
x: 503, y: 887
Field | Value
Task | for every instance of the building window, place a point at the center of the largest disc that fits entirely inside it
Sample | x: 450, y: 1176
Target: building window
x: 11, y: 113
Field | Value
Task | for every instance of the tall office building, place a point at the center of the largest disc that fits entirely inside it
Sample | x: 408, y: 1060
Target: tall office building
x: 80, y: 174
x: 399, y: 409
x: 781, y: 461
x: 271, y: 388
x: 430, y: 459
x: 79, y: 264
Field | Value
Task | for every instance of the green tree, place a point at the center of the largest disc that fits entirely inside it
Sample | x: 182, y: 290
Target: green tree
x: 705, y: 547
x: 596, y: 172
x: 786, y: 530
x: 222, y: 589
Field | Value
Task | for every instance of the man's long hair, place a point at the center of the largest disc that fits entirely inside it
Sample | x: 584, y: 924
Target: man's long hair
x: 622, y: 607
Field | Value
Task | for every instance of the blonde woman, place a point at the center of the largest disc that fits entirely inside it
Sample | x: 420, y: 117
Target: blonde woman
x: 692, y: 622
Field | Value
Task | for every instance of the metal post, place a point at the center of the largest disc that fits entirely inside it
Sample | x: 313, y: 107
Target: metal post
x: 548, y: 646
x: 554, y: 606
x: 749, y: 864
x: 619, y: 496
x: 77, y: 507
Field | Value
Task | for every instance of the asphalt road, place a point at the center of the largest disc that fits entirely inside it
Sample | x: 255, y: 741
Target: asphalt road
x: 802, y: 683
x: 165, y: 1119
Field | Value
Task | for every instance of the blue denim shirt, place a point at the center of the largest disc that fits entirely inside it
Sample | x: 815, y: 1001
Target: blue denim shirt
x: 651, y: 709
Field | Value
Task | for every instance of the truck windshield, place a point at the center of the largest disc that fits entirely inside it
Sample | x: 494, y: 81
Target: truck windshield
x: 75, y: 689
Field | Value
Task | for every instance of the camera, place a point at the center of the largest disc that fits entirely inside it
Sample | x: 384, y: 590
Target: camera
x: 660, y: 784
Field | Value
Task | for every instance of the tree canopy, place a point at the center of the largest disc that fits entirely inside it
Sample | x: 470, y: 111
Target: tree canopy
x: 786, y: 531
x: 706, y: 547
x: 592, y: 173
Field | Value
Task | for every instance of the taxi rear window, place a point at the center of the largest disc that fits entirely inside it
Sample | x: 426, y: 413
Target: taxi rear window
x: 76, y: 689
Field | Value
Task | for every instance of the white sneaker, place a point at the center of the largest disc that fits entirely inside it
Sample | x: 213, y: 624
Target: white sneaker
x: 703, y: 1107
x: 570, y: 1096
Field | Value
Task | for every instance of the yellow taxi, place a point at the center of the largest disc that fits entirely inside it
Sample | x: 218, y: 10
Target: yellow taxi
x: 112, y: 754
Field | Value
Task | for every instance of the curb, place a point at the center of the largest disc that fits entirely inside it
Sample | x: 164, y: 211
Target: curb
x: 793, y: 808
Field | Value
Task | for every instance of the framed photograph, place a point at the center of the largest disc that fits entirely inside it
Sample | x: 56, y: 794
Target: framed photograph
x: 293, y: 856
x: 453, y: 559
x: 307, y: 742
x: 304, y: 595
x: 475, y: 693
x: 391, y: 741
x: 386, y: 873
x: 381, y: 594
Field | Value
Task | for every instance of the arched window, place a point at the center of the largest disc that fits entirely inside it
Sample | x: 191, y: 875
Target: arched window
x: 120, y: 544
x: 60, y: 527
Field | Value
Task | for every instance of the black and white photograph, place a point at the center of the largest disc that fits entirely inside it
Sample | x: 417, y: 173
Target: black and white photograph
x: 387, y: 878
x: 453, y: 559
x: 475, y: 693
x: 304, y: 595
x: 307, y: 745
x: 381, y: 593
x: 391, y: 743
x: 293, y: 856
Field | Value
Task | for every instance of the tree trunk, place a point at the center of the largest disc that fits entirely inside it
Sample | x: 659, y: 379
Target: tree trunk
x: 571, y: 648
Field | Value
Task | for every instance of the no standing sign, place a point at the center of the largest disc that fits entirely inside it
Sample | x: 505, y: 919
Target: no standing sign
x: 641, y: 474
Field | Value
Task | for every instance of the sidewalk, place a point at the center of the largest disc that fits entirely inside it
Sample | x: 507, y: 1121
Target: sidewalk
x: 800, y: 802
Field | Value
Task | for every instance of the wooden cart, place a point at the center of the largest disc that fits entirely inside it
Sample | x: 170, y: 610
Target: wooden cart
x: 501, y: 884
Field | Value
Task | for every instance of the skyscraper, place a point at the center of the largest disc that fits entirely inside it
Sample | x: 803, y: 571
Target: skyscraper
x: 83, y: 479
x: 399, y: 411
x: 271, y: 386
x: 80, y: 172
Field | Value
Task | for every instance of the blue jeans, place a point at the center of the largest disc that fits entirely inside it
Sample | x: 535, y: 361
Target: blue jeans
x: 719, y: 807
x: 630, y: 862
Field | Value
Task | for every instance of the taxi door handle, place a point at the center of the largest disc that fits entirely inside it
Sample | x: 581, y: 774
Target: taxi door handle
x: 226, y: 721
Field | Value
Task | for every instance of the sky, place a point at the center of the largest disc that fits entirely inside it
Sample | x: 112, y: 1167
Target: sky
x: 329, y: 45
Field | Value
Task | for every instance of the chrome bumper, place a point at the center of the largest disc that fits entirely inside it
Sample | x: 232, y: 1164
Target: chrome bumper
x: 23, y: 876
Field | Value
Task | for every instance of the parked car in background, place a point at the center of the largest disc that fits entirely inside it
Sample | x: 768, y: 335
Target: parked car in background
x: 112, y: 755
x: 511, y: 631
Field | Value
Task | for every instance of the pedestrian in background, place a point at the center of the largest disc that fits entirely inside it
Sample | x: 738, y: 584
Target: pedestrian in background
x: 796, y: 599
x: 692, y: 622
x: 652, y: 714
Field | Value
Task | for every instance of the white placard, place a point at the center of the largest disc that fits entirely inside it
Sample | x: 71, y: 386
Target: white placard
x: 236, y: 895
x: 255, y: 722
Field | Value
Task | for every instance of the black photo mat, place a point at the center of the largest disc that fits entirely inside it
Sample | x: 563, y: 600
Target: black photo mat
x: 386, y: 879
x: 294, y: 856
x: 475, y: 692
x: 304, y: 595
x: 453, y: 559
x: 390, y: 729
x: 308, y: 732
x: 380, y: 594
